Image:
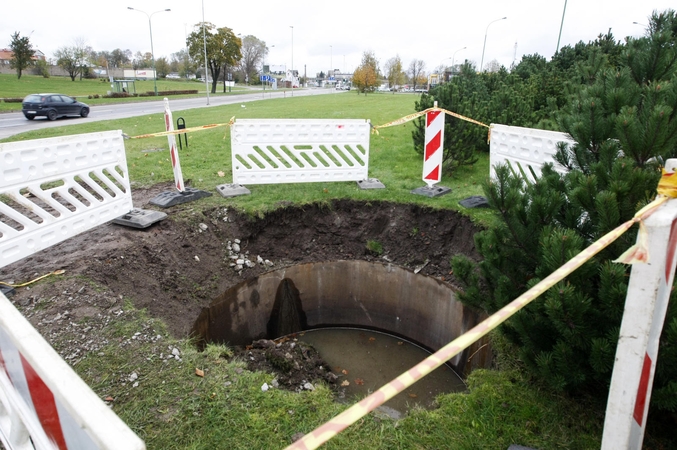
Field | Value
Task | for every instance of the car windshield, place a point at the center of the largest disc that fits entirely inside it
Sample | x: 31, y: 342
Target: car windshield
x: 33, y: 98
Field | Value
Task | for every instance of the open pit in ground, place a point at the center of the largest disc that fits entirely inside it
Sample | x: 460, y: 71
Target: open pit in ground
x: 179, y: 266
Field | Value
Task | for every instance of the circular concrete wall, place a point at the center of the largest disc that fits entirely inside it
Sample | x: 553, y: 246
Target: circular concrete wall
x: 346, y: 293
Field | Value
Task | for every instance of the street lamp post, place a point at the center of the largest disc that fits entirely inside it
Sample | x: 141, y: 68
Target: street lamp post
x: 150, y: 28
x: 204, y: 44
x: 331, y: 63
x: 561, y: 25
x: 485, y: 40
x: 453, y: 57
x: 292, y: 59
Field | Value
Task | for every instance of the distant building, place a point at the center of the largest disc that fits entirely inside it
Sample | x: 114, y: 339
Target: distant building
x: 6, y: 56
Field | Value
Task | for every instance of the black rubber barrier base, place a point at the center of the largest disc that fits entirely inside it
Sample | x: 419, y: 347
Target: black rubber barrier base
x: 140, y: 218
x: 173, y: 198
x: 435, y: 191
x: 7, y: 291
x: 476, y: 201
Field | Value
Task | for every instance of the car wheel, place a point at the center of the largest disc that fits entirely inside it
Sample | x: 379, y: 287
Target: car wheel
x: 84, y: 112
x: 51, y: 115
x: 29, y: 116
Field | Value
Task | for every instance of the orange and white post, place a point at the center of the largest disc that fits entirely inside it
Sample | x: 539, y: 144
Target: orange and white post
x: 645, y: 308
x: 434, y: 148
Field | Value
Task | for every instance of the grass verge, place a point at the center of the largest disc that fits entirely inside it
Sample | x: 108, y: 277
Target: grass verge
x: 162, y: 398
x: 170, y: 407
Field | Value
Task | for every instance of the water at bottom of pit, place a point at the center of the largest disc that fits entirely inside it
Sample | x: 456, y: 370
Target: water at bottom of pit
x: 368, y: 359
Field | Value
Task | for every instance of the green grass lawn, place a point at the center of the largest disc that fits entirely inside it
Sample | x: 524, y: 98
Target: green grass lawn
x: 392, y: 157
x: 227, y: 408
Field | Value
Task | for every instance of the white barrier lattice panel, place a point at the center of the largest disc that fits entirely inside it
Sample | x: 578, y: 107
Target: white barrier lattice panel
x: 525, y: 149
x: 52, y: 189
x: 266, y: 151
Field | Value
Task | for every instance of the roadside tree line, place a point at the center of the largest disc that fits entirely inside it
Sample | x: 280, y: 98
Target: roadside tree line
x: 368, y: 75
x: 226, y: 54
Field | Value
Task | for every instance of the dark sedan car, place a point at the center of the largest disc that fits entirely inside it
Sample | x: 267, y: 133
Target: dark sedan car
x: 53, y: 106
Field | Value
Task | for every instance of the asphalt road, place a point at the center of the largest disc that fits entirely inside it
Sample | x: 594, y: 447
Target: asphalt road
x: 15, y: 123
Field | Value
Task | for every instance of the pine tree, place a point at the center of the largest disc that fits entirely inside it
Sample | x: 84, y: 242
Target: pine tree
x: 22, y: 53
x: 622, y: 119
x: 467, y: 95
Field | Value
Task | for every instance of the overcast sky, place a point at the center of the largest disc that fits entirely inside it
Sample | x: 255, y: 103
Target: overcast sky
x: 334, y: 34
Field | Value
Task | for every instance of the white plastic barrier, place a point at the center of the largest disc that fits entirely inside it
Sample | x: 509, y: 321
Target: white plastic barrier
x: 266, y: 151
x: 43, y: 402
x: 52, y: 189
x: 525, y: 149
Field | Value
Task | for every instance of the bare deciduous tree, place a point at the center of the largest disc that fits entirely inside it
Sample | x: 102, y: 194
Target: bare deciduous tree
x: 416, y: 69
x: 254, y: 52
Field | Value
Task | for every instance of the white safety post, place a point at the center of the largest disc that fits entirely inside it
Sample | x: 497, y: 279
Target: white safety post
x: 645, y: 307
x: 173, y: 152
x: 434, y: 149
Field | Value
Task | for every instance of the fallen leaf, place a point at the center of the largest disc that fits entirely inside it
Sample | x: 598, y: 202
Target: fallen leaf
x: 199, y: 373
x: 109, y: 399
x: 413, y: 395
x: 359, y: 381
x: 221, y: 173
x: 344, y: 372
x: 345, y: 383
x: 372, y: 339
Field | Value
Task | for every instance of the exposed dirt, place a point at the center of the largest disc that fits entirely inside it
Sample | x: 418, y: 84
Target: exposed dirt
x: 296, y: 364
x: 177, y: 266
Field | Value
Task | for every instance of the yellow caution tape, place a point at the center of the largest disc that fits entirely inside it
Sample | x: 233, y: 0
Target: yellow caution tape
x: 411, y: 117
x: 330, y: 429
x: 182, y: 131
x: 639, y: 253
x: 56, y: 272
x: 667, y: 185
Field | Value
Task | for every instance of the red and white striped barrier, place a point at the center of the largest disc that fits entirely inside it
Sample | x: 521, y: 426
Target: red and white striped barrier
x: 645, y: 308
x: 43, y: 402
x: 173, y: 152
x: 434, y: 149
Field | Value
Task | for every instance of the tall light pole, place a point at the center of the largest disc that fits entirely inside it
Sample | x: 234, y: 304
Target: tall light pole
x: 453, y: 57
x: 204, y: 43
x: 152, y: 53
x: 292, y: 59
x: 561, y: 25
x: 485, y: 40
x: 331, y: 63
